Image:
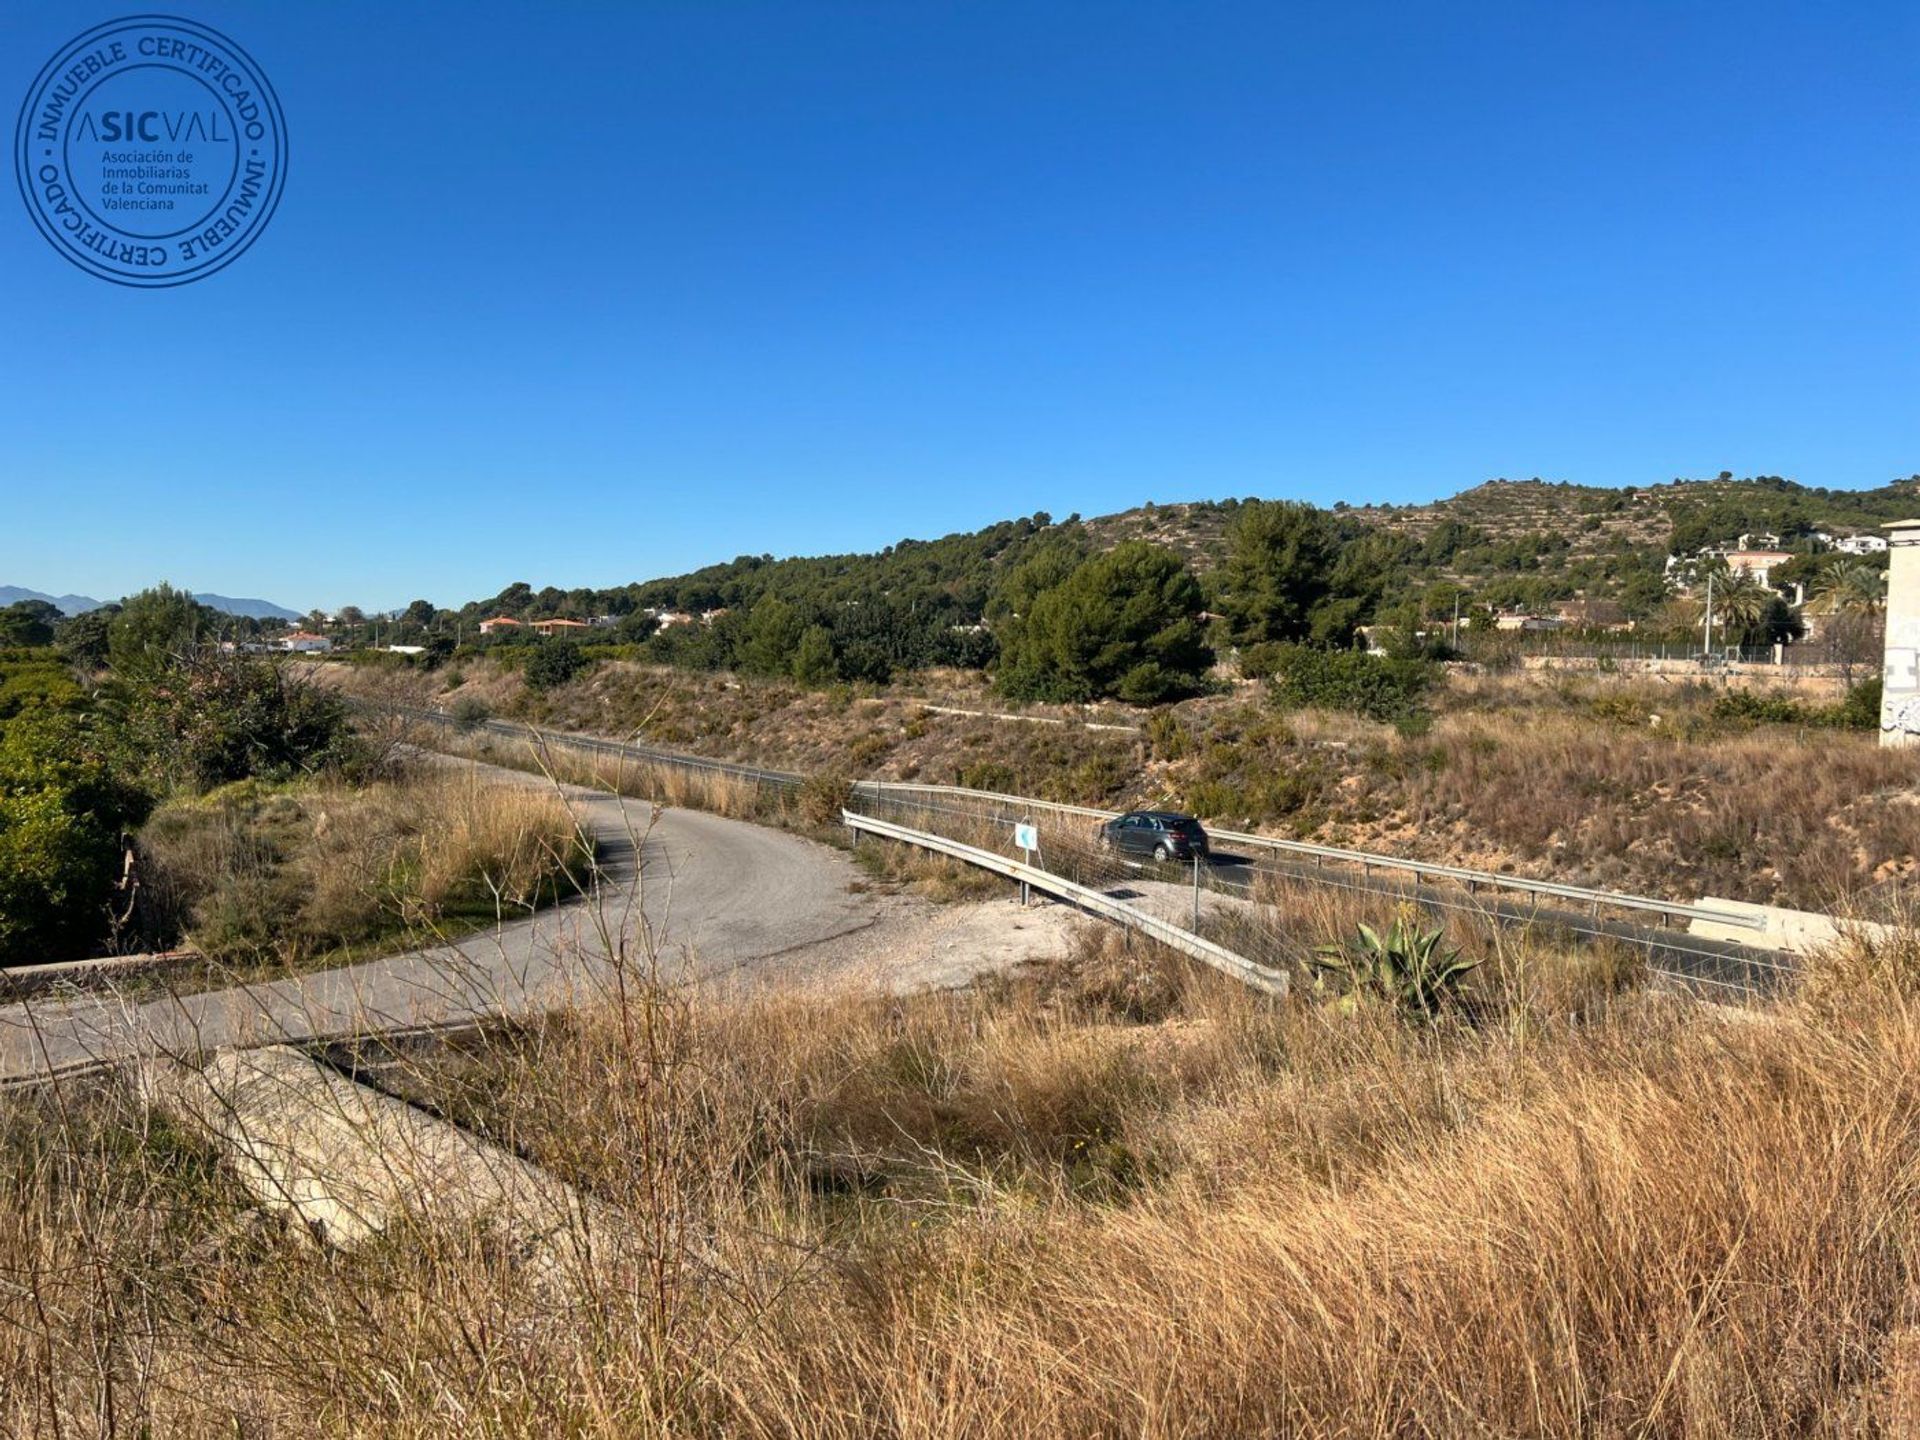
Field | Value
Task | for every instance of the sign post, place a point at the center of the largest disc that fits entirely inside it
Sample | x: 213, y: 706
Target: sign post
x: 1027, y: 836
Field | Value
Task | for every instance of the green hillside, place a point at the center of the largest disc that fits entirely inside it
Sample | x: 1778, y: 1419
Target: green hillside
x: 1314, y: 575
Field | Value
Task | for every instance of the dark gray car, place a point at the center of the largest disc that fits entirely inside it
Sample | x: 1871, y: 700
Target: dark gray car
x: 1162, y: 834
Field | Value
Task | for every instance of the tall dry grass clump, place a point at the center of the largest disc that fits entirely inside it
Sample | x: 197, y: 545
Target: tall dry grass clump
x: 1125, y: 1196
x: 691, y: 787
x: 516, y: 842
x: 255, y: 873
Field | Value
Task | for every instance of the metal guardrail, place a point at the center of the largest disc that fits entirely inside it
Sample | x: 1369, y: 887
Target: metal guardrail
x: 593, y: 744
x: 1273, y: 982
x: 1367, y: 861
x: 1473, y: 880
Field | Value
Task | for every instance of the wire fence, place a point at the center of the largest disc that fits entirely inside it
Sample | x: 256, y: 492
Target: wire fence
x: 1822, y: 653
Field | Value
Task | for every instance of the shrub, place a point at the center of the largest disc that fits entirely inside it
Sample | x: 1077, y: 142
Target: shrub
x: 1619, y: 708
x: 28, y: 622
x: 156, y: 629
x: 866, y: 751
x: 83, y: 639
x: 469, y: 713
x: 1213, y: 799
x: 62, y: 814
x: 1378, y: 687
x: 32, y: 679
x: 1746, y: 707
x: 1167, y: 737
x: 214, y: 718
x: 1861, y: 708
x: 1259, y: 662
x: 987, y: 775
x: 813, y: 658
x: 1414, y: 724
x: 553, y: 663
x: 823, y: 798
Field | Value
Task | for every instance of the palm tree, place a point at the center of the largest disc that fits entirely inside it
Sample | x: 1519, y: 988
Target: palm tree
x: 1850, y: 588
x: 1740, y: 603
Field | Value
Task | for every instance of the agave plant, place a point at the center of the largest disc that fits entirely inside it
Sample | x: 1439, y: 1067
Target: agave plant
x: 1407, y: 966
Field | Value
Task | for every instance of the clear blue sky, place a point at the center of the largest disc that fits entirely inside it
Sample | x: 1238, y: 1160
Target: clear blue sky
x: 584, y: 293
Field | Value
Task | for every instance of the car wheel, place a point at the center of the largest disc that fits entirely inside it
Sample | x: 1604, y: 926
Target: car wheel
x: 1162, y: 853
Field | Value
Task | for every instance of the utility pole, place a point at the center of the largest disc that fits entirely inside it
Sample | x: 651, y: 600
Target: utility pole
x: 1709, y: 643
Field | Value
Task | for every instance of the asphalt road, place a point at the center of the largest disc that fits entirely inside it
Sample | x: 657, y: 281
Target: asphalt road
x: 694, y: 894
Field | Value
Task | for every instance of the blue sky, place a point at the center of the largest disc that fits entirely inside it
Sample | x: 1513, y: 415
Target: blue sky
x: 585, y: 293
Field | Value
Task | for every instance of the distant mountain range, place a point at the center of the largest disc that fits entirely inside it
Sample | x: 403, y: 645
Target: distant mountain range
x: 251, y: 609
x: 65, y: 604
x: 80, y: 604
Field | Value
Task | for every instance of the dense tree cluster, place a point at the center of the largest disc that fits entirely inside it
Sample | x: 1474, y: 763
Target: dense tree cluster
x: 27, y: 623
x: 1034, y: 602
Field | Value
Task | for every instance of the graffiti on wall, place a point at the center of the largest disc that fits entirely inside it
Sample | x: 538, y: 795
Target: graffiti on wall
x: 1900, y: 709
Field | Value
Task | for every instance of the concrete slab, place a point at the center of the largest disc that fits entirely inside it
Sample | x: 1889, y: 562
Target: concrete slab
x: 1795, y: 931
x: 346, y: 1162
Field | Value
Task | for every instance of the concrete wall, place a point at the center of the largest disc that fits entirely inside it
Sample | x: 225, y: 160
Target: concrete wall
x: 1900, y: 700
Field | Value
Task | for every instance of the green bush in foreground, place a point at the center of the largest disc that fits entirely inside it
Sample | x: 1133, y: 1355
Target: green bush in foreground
x: 63, y: 816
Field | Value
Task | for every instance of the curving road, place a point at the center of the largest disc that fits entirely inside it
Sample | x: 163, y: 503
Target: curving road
x: 689, y: 893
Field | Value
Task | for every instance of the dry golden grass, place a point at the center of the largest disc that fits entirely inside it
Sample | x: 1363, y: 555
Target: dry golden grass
x: 254, y: 873
x: 512, y: 842
x: 1611, y: 783
x: 1127, y: 1197
x: 718, y: 791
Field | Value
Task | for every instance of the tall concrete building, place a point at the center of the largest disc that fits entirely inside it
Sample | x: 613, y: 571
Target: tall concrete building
x: 1900, y: 699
